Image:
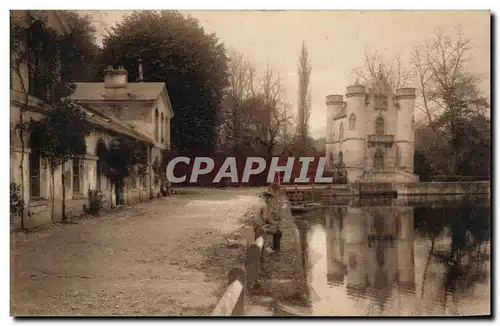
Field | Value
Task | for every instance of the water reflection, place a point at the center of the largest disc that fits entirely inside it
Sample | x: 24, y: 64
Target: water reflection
x: 390, y: 258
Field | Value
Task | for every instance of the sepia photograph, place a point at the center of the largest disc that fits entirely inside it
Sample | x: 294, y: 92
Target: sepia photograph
x: 250, y: 163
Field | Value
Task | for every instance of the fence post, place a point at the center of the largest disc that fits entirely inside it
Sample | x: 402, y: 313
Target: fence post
x: 239, y: 274
x: 252, y: 264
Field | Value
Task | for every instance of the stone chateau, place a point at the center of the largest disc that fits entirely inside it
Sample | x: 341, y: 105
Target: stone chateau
x: 371, y: 134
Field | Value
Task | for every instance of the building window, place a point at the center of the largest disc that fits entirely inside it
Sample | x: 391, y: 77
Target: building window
x: 157, y: 118
x: 34, y: 167
x: 379, y: 126
x: 378, y: 159
x: 341, y: 132
x: 167, y: 129
x: 34, y: 174
x: 341, y: 158
x: 101, y: 151
x: 352, y: 121
x: 76, y: 175
x: 162, y: 123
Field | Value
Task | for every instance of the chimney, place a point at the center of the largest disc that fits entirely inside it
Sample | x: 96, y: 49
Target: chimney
x: 115, y: 82
x: 140, y: 77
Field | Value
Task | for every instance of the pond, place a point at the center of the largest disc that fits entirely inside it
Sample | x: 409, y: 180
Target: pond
x: 399, y: 258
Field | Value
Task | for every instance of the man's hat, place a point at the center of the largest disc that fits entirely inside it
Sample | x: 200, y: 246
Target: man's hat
x: 267, y: 194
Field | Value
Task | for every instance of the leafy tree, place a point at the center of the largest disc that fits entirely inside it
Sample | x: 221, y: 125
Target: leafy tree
x: 123, y: 156
x: 175, y: 49
x: 80, y: 52
x: 60, y: 138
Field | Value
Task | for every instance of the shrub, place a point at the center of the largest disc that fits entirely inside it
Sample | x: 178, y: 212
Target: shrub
x: 95, y: 202
x: 16, y: 203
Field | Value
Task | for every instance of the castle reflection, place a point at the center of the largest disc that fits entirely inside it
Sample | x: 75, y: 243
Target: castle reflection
x: 396, y: 257
x: 370, y: 249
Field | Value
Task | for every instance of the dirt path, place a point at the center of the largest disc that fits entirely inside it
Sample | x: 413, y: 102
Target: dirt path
x: 164, y: 257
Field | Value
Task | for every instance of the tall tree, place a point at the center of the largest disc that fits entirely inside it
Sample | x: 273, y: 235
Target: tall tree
x: 236, y: 114
x: 451, y: 100
x: 175, y: 49
x: 80, y: 52
x: 270, y: 114
x: 304, y: 98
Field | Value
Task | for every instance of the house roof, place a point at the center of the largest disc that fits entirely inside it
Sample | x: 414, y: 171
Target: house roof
x: 111, y: 122
x: 89, y: 92
x: 135, y: 91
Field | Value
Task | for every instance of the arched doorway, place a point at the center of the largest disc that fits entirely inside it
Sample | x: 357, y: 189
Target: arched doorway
x: 378, y: 160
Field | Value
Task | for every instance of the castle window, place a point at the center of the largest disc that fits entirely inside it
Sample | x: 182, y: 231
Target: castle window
x: 352, y: 121
x: 379, y: 126
x: 341, y: 132
x: 398, y: 156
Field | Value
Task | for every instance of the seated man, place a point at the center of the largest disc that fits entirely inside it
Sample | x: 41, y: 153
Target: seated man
x: 269, y: 218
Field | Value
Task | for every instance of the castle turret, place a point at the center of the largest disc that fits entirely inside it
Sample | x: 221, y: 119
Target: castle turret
x: 355, y: 248
x: 335, y: 269
x: 353, y: 145
x: 405, y: 133
x: 334, y: 105
x: 406, y: 260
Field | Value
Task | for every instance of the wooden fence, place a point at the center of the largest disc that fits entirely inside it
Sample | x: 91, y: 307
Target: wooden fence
x: 240, y: 279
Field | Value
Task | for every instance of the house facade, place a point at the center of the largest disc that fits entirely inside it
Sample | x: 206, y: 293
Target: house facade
x: 116, y: 108
x: 371, y: 134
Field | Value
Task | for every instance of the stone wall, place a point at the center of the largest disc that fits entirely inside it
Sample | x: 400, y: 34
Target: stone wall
x: 443, y: 188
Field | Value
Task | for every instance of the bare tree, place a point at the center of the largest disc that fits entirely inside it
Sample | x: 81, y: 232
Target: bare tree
x: 304, y: 98
x: 451, y: 101
x: 236, y: 114
x: 446, y: 87
x: 271, y: 118
x: 390, y: 71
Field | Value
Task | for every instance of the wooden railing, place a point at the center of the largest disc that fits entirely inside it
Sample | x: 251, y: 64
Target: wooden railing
x: 239, y: 279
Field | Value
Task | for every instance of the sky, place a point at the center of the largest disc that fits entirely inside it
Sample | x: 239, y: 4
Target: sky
x: 337, y: 42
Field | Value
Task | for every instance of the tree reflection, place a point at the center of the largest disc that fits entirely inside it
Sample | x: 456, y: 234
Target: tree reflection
x: 467, y: 255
